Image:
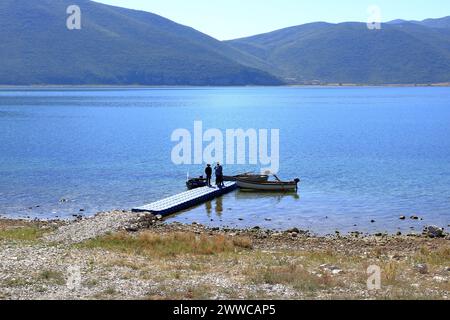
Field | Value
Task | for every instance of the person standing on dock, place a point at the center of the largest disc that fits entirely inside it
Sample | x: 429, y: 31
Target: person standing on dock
x: 219, y: 175
x: 208, y: 172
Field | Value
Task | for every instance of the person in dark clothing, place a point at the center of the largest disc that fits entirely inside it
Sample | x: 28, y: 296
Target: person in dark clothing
x: 208, y: 172
x: 219, y: 175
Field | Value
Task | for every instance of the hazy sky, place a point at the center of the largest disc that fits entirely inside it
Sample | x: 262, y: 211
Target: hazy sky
x: 229, y: 19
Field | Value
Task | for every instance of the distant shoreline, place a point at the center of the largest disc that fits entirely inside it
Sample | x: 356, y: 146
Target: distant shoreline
x: 125, y: 215
x: 331, y: 85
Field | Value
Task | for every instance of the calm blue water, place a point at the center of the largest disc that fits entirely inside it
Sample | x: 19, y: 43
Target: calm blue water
x: 362, y: 153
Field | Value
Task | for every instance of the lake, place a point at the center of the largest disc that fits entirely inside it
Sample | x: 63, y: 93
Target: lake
x: 362, y: 153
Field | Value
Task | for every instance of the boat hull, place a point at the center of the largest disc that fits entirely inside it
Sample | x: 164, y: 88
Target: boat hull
x: 247, y: 177
x: 195, y: 183
x: 268, y: 186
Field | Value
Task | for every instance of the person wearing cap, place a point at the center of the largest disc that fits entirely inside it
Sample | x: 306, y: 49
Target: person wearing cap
x: 219, y: 175
x: 208, y: 172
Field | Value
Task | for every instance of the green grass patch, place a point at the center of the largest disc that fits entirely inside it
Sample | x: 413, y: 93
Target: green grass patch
x: 52, y: 276
x: 294, y: 276
x: 110, y: 291
x: 21, y: 234
x: 15, y: 283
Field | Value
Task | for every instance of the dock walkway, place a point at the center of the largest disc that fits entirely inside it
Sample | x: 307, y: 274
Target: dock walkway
x: 185, y: 200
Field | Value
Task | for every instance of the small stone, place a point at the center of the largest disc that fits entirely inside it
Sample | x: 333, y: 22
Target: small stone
x: 433, y: 232
x: 439, y: 279
x: 330, y: 268
x: 336, y: 271
x: 294, y: 234
x: 396, y: 257
x: 276, y: 235
x: 399, y: 233
x: 294, y: 230
x: 256, y: 228
x: 159, y: 217
x: 422, y: 268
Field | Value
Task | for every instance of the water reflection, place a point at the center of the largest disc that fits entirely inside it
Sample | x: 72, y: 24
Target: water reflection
x: 208, y: 206
x: 218, y: 207
x: 277, y: 196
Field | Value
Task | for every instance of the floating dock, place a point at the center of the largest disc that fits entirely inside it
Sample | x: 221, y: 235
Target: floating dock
x: 186, y: 200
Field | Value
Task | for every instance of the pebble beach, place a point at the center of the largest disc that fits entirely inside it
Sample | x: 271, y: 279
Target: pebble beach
x: 124, y: 255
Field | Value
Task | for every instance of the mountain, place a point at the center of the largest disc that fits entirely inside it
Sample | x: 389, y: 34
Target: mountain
x: 436, y: 23
x: 432, y: 23
x: 118, y: 46
x: 115, y: 46
x: 402, y: 52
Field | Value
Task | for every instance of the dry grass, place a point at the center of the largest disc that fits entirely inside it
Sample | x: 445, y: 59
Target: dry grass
x: 439, y: 256
x: 169, y: 245
x: 190, y: 292
x: 390, y: 272
x: 295, y: 276
x: 285, y: 269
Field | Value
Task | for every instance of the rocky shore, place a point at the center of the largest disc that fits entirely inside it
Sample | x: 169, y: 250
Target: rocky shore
x: 123, y: 255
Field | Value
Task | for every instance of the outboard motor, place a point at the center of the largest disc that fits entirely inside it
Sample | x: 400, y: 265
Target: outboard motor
x: 297, y: 181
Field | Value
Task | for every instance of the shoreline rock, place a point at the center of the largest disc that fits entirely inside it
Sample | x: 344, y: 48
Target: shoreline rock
x: 81, y: 228
x: 434, y: 232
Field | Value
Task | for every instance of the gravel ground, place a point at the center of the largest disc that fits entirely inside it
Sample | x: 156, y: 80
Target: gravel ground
x: 101, y: 224
x: 277, y: 265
